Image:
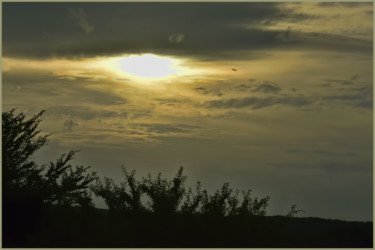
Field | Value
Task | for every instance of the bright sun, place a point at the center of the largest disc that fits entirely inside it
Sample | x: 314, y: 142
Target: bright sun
x: 145, y: 69
x: 147, y: 66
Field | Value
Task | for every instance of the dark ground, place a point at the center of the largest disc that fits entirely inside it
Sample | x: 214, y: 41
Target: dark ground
x: 92, y: 227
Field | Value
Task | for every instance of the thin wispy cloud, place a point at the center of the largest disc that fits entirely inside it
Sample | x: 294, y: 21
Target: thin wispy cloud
x: 79, y: 15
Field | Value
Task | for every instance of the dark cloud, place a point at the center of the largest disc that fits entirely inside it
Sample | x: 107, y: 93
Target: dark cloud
x: 257, y: 103
x: 344, y: 4
x: 69, y: 124
x: 330, y: 166
x: 211, y: 31
x: 244, y: 87
x: 200, y: 88
x: 342, y: 82
x: 171, y: 101
x: 165, y: 128
x: 330, y: 153
x: 355, y: 77
x: 295, y: 150
x: 49, y: 85
x: 362, y: 98
x: 208, y: 91
x: 83, y: 113
x: 325, y: 85
x: 321, y: 152
x: 267, y: 88
x: 287, y: 36
x: 80, y: 17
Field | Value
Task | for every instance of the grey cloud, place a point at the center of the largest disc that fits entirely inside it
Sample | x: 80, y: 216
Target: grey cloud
x: 267, y: 88
x: 79, y: 15
x: 330, y: 153
x: 83, y: 113
x: 345, y: 4
x: 68, y: 90
x: 208, y: 91
x: 342, y: 82
x: 295, y: 150
x: 243, y: 87
x: 325, y: 85
x: 330, y: 166
x: 200, y: 88
x: 166, y: 128
x: 68, y: 125
x: 257, y: 103
x: 171, y: 101
x: 154, y: 22
x: 362, y: 98
x: 321, y: 152
x: 354, y: 77
x: 330, y: 82
x: 369, y: 12
x: 96, y: 96
x: 287, y: 36
x: 176, y: 38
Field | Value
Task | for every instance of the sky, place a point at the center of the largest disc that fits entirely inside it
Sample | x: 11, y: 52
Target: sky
x: 272, y: 97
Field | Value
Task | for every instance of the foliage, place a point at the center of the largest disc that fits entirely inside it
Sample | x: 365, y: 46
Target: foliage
x: 20, y: 140
x: 57, y: 183
x: 193, y: 201
x: 165, y: 195
x: 293, y: 211
x: 216, y: 204
x: 123, y: 197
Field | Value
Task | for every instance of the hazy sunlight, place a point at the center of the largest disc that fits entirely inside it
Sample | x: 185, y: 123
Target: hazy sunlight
x: 147, y: 65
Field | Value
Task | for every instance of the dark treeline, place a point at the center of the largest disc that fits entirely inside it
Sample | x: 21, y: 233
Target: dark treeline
x: 51, y: 206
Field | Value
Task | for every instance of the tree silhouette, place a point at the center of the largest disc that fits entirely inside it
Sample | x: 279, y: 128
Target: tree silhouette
x: 57, y: 183
x: 165, y: 195
x: 20, y: 140
x: 125, y: 197
x: 28, y: 187
x: 193, y: 201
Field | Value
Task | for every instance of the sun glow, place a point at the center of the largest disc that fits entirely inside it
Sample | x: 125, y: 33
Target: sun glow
x: 146, y: 66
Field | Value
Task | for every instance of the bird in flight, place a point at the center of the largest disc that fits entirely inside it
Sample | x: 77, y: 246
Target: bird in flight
x: 234, y: 69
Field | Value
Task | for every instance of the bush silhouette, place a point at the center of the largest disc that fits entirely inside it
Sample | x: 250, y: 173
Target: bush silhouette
x: 125, y: 197
x: 168, y: 197
x: 193, y: 201
x: 165, y: 195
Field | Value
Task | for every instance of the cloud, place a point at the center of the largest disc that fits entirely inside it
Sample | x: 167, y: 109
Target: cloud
x: 342, y: 82
x: 176, y: 38
x: 68, y: 125
x: 206, y: 91
x: 200, y: 88
x: 159, y: 128
x: 80, y: 17
x: 267, y: 88
x: 257, y: 103
x: 82, y: 113
x: 287, y: 36
x: 354, y: 77
x: 330, y: 166
x: 343, y: 4
x: 233, y: 28
x: 362, y: 99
